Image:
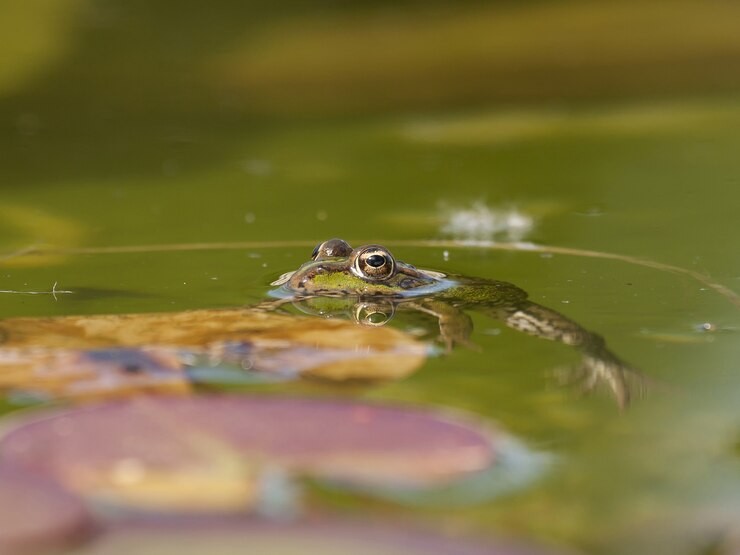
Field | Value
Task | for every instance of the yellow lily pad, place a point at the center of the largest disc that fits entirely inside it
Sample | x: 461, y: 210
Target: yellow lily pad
x: 89, y: 356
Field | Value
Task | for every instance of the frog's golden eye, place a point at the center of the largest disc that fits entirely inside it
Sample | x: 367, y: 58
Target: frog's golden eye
x: 373, y: 263
x: 333, y: 248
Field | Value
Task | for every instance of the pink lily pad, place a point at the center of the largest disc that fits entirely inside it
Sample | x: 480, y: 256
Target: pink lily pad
x: 186, y: 449
x: 36, y: 514
x: 328, y: 537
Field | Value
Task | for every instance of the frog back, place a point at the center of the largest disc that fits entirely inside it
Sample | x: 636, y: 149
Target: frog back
x: 482, y: 293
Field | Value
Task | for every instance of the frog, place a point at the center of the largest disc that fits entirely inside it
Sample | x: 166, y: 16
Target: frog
x: 370, y: 285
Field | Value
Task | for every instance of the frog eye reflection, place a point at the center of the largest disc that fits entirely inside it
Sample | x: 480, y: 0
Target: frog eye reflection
x: 373, y: 263
x: 333, y: 248
x: 373, y: 314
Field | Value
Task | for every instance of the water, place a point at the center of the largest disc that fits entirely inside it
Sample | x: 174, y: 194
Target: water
x: 117, y: 135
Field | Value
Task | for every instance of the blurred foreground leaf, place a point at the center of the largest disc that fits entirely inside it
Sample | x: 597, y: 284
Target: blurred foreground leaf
x: 325, y: 537
x: 35, y: 514
x: 92, y: 356
x: 212, y: 453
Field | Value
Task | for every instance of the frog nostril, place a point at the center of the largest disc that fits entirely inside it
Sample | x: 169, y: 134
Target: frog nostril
x: 376, y: 260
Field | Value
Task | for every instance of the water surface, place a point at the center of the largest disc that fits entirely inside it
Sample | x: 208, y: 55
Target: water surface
x: 123, y: 132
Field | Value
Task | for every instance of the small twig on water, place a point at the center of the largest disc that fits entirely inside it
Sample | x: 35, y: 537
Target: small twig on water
x: 54, y: 291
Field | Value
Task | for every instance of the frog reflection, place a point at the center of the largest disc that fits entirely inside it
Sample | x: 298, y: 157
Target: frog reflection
x: 369, y: 285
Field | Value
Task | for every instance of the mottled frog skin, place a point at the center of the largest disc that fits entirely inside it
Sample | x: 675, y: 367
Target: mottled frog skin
x: 370, y: 285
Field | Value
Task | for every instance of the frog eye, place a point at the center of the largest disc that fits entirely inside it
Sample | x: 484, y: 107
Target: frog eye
x: 333, y: 248
x: 373, y: 263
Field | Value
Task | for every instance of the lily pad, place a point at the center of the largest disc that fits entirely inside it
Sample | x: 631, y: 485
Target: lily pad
x: 215, y: 452
x: 36, y: 514
x: 311, y: 536
x: 60, y: 373
x: 113, y: 355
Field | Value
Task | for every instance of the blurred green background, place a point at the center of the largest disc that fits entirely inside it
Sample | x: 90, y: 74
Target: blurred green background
x: 615, y: 126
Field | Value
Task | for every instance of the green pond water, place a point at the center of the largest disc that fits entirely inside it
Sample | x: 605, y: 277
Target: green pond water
x: 124, y: 124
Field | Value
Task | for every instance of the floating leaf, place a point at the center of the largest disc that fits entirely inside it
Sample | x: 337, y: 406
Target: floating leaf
x: 91, y: 356
x: 222, y: 537
x: 51, y: 373
x: 35, y: 514
x: 516, y: 466
x: 211, y: 452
